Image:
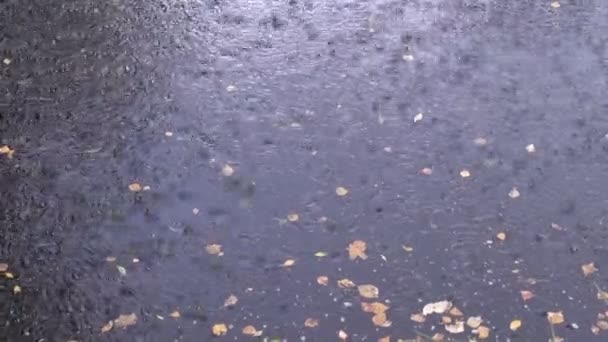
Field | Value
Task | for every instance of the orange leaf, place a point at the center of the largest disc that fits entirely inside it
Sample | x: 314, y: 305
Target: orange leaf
x: 380, y: 320
x: 483, y: 332
x: 250, y: 330
x: 555, y: 317
x: 219, y: 329
x: 346, y: 283
x: 456, y: 312
x: 375, y: 308
x: 357, y: 250
x: 589, y: 269
x: 214, y: 249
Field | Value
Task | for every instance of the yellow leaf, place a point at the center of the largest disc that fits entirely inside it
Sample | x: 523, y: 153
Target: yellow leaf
x: 219, y: 329
x: 231, y: 301
x: 311, y: 323
x: 346, y: 283
x: 323, y: 280
x: 175, y: 314
x: 380, y: 320
x: 526, y: 295
x: 502, y: 236
x: 124, y: 321
x: 4, y: 149
x: 515, y: 324
x: 293, y: 217
x: 250, y: 330
x: 289, y: 263
x: 368, y: 291
x: 483, y: 332
x: 588, y: 269
x: 375, y: 307
x: 456, y: 312
x: 357, y: 250
x: 321, y: 254
x: 107, y: 327
x: 555, y: 317
x: 418, y: 318
x: 9, y: 275
x: 135, y: 187
x: 438, y: 307
x: 474, y: 322
x: 341, y: 191
x: 214, y: 249
x: 16, y: 289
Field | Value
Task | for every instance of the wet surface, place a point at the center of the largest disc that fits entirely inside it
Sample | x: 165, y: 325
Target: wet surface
x: 300, y: 98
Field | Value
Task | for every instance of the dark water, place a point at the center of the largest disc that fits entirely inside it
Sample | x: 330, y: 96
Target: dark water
x: 301, y: 97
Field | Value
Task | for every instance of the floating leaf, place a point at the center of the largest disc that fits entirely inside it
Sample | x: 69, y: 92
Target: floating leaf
x: 427, y: 171
x: 231, y: 301
x: 589, y: 269
x: 357, y: 250
x: 342, y: 335
x: 385, y: 339
x: 456, y: 328
x: 175, y: 314
x: 250, y: 330
x: 293, y: 217
x: 418, y: 318
x: 514, y: 193
x: 480, y: 141
x: 515, y: 324
x: 602, y: 295
x: 474, y: 322
x: 556, y: 4
x: 124, y: 321
x: 346, y: 283
x: 464, y: 173
x: 227, y: 170
x: 502, y: 236
x: 531, y: 148
x: 311, y: 323
x: 456, y: 312
x: 375, y: 307
x: 341, y: 191
x: 381, y: 320
x: 135, y: 187
x: 437, y: 337
x: 16, y: 289
x: 368, y: 291
x: 595, y: 330
x: 9, y: 275
x: 407, y: 248
x: 214, y: 249
x: 321, y: 254
x: 438, y: 307
x: 288, y: 263
x: 107, y: 327
x: 121, y: 270
x: 483, y: 332
x: 555, y: 317
x: 195, y: 211
x: 418, y: 117
x: 219, y: 329
x: 3, y: 267
x: 526, y: 295
x: 602, y: 325
x: 4, y: 149
x: 323, y: 280
x: 446, y: 319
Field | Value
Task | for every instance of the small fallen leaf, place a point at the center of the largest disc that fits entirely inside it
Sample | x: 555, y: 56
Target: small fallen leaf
x: 16, y: 289
x: 214, y: 249
x: 514, y: 193
x: 357, y: 250
x: 311, y: 323
x: 602, y: 295
x: 4, y: 149
x: 250, y: 330
x: 515, y: 324
x: 168, y: 134
x: 195, y: 211
x: 219, y: 329
x: 407, y: 248
x: 438, y: 307
x: 135, y: 187
x: 555, y: 317
x: 531, y: 148
x: 418, y: 318
x: 342, y: 335
x: 107, y: 327
x: 6, y: 61
x: 227, y: 170
x: 502, y: 236
x: 321, y: 254
x: 346, y: 283
x: 588, y: 269
x: 595, y: 330
x: 341, y: 191
x: 437, y: 337
x: 123, y: 321
x: 375, y: 307
x: 526, y: 295
x: 175, y: 314
x: 293, y: 217
x: 603, y: 325
x: 456, y: 312
x: 121, y: 270
x: 368, y: 291
x: 456, y: 328
x: 3, y: 267
x: 480, y: 141
x: 111, y: 259
x: 231, y: 88
x: 446, y: 319
x: 418, y: 117
x: 556, y: 226
x: 427, y: 171
x: 231, y: 301
x: 9, y: 275
x: 381, y: 320
x: 288, y: 263
x: 323, y: 280
x: 556, y: 4
x: 483, y: 332
x: 464, y: 173
x: 385, y: 339
x: 474, y: 322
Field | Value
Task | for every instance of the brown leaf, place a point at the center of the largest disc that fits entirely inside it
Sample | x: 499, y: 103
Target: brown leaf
x: 555, y: 317
x: 375, y: 307
x: 456, y: 312
x: 474, y: 322
x: 381, y: 320
x: 602, y: 325
x: 124, y: 321
x: 135, y: 187
x: 107, y: 327
x: 526, y: 295
x: 515, y: 324
x: 602, y: 295
x: 311, y: 323
x: 323, y: 280
x: 250, y: 330
x: 231, y: 301
x: 357, y: 250
x: 483, y: 332
x: 346, y: 283
x: 368, y: 291
x: 219, y: 329
x: 214, y: 249
x: 418, y: 318
x: 3, y: 267
x: 456, y: 328
x: 589, y: 269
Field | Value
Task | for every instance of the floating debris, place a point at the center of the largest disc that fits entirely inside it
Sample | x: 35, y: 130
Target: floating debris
x: 341, y: 191
x: 418, y: 117
x: 227, y: 170
x: 531, y: 148
x: 514, y: 193
x: 357, y: 250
